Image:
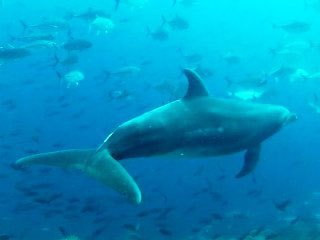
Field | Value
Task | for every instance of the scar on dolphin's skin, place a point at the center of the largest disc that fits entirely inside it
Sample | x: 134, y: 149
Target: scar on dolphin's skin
x: 197, y: 125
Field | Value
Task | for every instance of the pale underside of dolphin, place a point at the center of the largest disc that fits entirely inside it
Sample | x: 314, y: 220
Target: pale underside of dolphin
x: 197, y: 125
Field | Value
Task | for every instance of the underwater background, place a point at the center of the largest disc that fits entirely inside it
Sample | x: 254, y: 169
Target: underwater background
x: 72, y: 71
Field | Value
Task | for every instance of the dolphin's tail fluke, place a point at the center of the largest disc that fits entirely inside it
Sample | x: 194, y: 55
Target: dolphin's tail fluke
x: 97, y: 164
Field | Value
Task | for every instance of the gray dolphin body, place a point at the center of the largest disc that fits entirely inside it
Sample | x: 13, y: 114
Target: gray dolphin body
x: 198, y: 125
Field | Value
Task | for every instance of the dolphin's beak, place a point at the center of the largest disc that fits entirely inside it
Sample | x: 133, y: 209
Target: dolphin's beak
x: 292, y: 117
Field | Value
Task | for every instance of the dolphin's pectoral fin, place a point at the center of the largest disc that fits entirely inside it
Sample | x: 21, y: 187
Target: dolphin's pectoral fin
x: 195, y: 87
x: 251, y: 159
x: 97, y: 164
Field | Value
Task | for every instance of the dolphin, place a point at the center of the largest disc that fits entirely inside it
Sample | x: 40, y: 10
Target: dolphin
x: 197, y: 125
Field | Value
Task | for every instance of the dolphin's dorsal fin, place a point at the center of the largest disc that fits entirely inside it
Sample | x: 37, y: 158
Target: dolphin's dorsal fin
x: 195, y: 87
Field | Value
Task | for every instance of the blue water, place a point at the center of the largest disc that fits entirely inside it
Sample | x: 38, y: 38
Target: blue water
x: 182, y: 199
